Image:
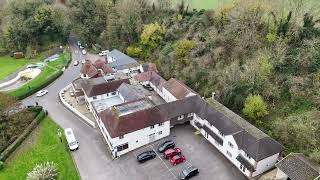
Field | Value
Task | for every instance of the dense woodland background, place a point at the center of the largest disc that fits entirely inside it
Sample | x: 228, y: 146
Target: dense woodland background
x: 260, y: 57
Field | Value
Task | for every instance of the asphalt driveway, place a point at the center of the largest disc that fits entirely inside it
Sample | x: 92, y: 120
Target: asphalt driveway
x: 198, y: 151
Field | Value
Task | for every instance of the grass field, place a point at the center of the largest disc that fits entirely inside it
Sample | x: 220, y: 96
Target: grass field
x: 41, y: 146
x: 9, y: 65
x: 46, y: 75
x: 204, y: 4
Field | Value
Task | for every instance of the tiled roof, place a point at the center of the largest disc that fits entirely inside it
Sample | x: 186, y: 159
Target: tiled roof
x: 122, y: 60
x: 101, y: 64
x: 178, y: 89
x: 129, y: 93
x: 99, y: 86
x: 297, y: 167
x: 149, y: 67
x: 121, y: 125
x: 152, y: 77
x: 89, y: 69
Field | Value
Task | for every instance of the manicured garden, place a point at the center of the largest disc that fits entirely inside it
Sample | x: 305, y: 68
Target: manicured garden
x: 51, y: 72
x: 43, y: 145
x: 9, y: 65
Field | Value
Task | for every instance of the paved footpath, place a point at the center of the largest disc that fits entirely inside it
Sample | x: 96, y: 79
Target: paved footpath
x: 92, y: 159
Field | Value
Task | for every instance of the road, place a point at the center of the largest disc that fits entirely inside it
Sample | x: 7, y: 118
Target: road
x: 92, y: 159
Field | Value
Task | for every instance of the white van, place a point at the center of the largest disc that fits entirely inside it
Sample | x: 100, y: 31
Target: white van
x: 72, y: 142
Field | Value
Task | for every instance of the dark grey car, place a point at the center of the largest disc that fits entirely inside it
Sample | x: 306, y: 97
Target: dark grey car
x: 188, y: 173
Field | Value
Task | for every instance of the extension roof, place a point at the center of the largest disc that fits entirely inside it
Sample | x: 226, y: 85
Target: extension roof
x: 178, y: 89
x: 122, y: 61
x: 297, y: 167
x: 149, y: 67
x: 129, y: 92
x: 99, y: 86
x: 152, y: 77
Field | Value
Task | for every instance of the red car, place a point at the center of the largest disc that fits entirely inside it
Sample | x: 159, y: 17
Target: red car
x: 169, y: 153
x: 177, y: 159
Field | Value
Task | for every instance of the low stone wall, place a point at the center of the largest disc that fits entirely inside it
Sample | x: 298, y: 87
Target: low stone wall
x: 74, y: 110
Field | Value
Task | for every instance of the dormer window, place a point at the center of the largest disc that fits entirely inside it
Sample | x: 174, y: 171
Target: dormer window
x: 181, y: 117
x: 221, y: 134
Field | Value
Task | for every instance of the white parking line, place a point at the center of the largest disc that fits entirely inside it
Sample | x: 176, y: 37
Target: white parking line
x: 164, y: 163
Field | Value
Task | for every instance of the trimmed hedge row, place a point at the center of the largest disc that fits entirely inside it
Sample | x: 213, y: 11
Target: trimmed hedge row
x: 33, y: 90
x: 10, y: 149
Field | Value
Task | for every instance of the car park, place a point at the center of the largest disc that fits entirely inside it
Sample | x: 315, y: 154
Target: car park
x: 41, y: 93
x: 177, y: 159
x: 188, y: 173
x: 166, y: 145
x: 169, y: 153
x: 84, y: 52
x: 72, y: 142
x: 145, y: 156
x: 76, y: 63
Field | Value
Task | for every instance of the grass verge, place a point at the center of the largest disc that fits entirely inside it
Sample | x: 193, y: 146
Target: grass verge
x: 41, y: 146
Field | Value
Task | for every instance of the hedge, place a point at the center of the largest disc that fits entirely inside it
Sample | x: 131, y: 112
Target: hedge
x: 1, y: 165
x: 35, y: 89
x: 10, y: 149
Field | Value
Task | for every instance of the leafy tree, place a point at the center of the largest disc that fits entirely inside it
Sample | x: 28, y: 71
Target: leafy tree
x: 152, y: 35
x: 255, y: 107
x: 45, y: 171
x: 134, y: 51
x: 183, y: 47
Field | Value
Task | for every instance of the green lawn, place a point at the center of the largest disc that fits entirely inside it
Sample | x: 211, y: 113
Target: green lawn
x: 41, y: 146
x: 204, y: 4
x: 9, y: 65
x: 48, y: 74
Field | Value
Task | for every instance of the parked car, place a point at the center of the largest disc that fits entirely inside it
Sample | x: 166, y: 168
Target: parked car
x: 103, y: 53
x: 188, y: 173
x: 72, y: 142
x: 177, y: 159
x: 145, y: 156
x: 79, y: 43
x: 76, y: 63
x: 83, y: 61
x: 81, y: 47
x: 84, y: 52
x: 166, y: 145
x: 169, y: 153
x: 41, y: 93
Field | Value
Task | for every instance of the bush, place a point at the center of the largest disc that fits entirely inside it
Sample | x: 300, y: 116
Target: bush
x: 1, y: 165
x: 255, y: 107
x: 134, y: 51
x: 183, y: 47
x: 45, y: 171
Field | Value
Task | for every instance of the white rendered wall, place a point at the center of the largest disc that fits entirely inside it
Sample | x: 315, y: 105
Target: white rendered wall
x: 265, y: 164
x: 135, y: 139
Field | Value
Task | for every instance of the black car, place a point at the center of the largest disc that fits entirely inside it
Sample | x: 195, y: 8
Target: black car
x: 145, y: 156
x: 166, y: 145
x: 188, y: 173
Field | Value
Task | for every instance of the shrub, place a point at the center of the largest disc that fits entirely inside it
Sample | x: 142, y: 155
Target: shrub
x: 134, y: 51
x: 182, y: 47
x: 152, y: 35
x: 45, y: 171
x: 1, y: 165
x: 255, y: 107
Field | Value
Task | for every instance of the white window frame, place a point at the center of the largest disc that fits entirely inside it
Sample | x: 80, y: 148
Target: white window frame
x: 180, y: 117
x: 152, y: 127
